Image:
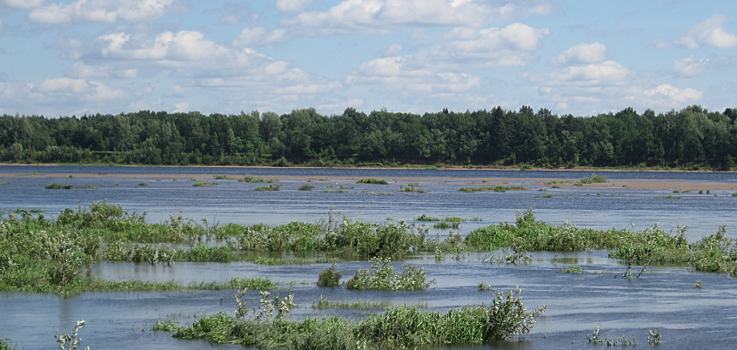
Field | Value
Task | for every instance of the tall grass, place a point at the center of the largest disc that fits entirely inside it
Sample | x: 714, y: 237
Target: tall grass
x: 398, y: 328
x: 372, y: 181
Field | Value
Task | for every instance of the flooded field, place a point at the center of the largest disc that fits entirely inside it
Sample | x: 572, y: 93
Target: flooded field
x: 664, y: 297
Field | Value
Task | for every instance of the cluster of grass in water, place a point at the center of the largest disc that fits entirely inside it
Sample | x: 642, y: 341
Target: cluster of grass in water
x: 372, y: 181
x: 255, y: 179
x: 398, y: 327
x: 491, y: 188
x: 46, y: 254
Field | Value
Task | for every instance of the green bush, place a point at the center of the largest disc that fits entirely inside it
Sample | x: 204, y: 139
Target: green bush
x: 329, y: 277
x: 372, y: 181
x: 268, y: 188
x: 381, y: 276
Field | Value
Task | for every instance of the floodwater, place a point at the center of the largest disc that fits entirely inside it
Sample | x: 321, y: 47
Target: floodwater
x: 664, y: 297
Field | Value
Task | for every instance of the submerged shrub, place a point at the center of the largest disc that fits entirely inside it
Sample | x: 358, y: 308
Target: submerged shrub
x: 399, y: 327
x: 372, y: 181
x: 268, y: 188
x: 381, y: 276
x: 329, y: 277
x: 594, y: 179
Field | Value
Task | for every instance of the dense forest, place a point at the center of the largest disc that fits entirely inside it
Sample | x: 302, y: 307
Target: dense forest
x: 693, y: 137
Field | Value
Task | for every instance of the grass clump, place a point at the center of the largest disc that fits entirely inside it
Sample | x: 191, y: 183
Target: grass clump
x: 424, y: 217
x: 204, y: 184
x: 55, y: 186
x: 573, y: 269
x: 6, y: 344
x: 143, y: 184
x: 329, y: 277
x: 221, y: 177
x: 372, y: 181
x: 306, y: 187
x: 412, y: 187
x: 491, y: 188
x: 255, y: 179
x: 330, y: 304
x: 399, y: 327
x: 447, y: 225
x: 594, y: 179
x: 166, y: 326
x: 381, y: 276
x: 268, y: 188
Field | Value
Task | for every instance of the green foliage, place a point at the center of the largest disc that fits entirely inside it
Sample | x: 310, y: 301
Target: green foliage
x: 6, y: 344
x: 55, y: 186
x: 221, y: 177
x: 399, y: 327
x: 170, y: 325
x: 268, y: 188
x: 412, y: 187
x: 306, y: 187
x: 381, y: 276
x: 143, y: 184
x: 330, y: 304
x: 490, y: 188
x: 204, y: 184
x: 573, y: 269
x: 424, y: 217
x: 70, y: 341
x: 594, y: 179
x: 255, y: 179
x: 372, y: 181
x: 329, y: 277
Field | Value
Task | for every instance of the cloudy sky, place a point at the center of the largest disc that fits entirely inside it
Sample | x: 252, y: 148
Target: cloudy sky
x: 63, y: 57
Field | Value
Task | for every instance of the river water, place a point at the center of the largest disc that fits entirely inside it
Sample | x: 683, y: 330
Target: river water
x: 663, y: 298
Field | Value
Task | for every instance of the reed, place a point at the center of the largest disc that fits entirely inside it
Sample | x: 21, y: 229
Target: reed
x: 372, y: 181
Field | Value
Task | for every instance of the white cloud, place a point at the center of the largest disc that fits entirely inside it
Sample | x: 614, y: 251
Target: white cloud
x: 22, y: 4
x: 181, y: 107
x: 259, y: 36
x: 405, y: 75
x: 82, y: 11
x: 595, y: 74
x: 607, y: 84
x: 673, y: 95
x: 710, y: 32
x: 581, y: 53
x: 387, y: 15
x: 291, y: 5
x: 691, y: 67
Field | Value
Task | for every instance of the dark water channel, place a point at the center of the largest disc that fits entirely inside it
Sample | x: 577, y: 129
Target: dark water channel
x: 663, y: 298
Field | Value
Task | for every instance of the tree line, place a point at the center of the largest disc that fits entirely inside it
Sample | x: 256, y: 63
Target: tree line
x: 692, y: 137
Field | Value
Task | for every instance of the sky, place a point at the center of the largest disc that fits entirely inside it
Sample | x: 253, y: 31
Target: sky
x: 65, y: 57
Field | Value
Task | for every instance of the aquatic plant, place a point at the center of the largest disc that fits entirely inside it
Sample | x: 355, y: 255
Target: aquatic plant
x: 412, y: 187
x: 399, y: 327
x: 331, y: 304
x: 306, y: 187
x: 594, y: 179
x: 490, y: 188
x: 329, y: 277
x: 255, y: 179
x: 55, y: 186
x: 381, y: 276
x: 424, y: 217
x: 170, y: 325
x: 447, y: 224
x: 372, y: 181
x: 6, y: 344
x: 485, y: 287
x: 205, y: 184
x: 71, y: 341
x: 573, y: 269
x: 268, y: 188
x: 142, y: 184
x: 221, y: 177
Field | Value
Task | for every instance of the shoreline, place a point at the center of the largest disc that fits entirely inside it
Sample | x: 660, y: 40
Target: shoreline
x: 542, y: 182
x: 405, y: 167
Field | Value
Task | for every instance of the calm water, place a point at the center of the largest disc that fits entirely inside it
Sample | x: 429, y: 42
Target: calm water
x: 663, y: 298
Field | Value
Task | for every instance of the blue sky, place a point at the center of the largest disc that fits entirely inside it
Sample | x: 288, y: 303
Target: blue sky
x: 63, y: 57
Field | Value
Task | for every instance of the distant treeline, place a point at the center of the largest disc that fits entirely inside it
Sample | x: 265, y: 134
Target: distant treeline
x: 690, y: 137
